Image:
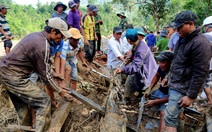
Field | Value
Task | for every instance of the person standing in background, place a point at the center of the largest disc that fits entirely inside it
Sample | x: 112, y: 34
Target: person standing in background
x: 123, y: 23
x: 5, y: 33
x: 89, y: 33
x: 59, y: 11
x: 73, y: 15
x: 98, y: 22
x: 151, y: 40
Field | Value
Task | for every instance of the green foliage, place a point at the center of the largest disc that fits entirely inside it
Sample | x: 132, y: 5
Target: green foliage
x: 155, y: 14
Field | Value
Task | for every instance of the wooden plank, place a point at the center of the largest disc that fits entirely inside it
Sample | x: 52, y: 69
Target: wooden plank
x: 59, y: 116
x: 86, y: 101
x: 18, y: 127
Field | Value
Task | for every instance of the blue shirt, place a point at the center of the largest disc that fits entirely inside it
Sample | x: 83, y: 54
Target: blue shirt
x: 173, y: 41
x: 56, y: 48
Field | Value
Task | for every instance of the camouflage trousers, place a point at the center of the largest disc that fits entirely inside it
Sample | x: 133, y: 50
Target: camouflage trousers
x: 24, y: 94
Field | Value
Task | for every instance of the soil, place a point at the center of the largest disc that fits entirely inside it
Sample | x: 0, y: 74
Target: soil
x: 85, y: 119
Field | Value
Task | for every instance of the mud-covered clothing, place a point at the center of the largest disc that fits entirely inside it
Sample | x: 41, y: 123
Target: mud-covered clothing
x: 23, y: 93
x: 31, y: 54
x: 190, y: 65
x: 143, y: 65
x: 123, y: 23
x: 62, y: 15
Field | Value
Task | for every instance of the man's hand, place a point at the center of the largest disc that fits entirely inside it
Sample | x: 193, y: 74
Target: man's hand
x: 86, y: 42
x: 164, y: 82
x: 185, y: 101
x: 66, y: 96
x: 146, y: 94
x: 150, y: 103
x: 84, y: 64
x: 118, y: 70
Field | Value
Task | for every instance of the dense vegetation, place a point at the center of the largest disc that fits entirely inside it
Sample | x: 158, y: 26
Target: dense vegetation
x: 154, y: 14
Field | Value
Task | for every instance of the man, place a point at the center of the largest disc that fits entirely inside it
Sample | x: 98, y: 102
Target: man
x: 89, y: 33
x: 207, y: 25
x: 123, y: 22
x: 171, y: 29
x: 141, y: 68
x: 30, y: 55
x: 5, y: 33
x: 189, y: 67
x: 162, y: 43
x: 59, y: 11
x: 98, y: 22
x: 159, y: 97
x: 72, y: 49
x: 78, y: 10
x: 173, y: 36
x: 151, y: 40
x: 73, y: 15
x: 115, y: 55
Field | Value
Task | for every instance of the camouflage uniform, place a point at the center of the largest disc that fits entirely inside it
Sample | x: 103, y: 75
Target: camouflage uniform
x: 123, y: 23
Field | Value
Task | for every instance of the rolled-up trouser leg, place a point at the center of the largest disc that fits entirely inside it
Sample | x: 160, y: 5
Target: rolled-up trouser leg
x: 32, y: 95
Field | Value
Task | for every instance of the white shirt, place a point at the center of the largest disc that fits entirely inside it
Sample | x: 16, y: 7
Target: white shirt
x: 114, y: 51
x: 126, y: 45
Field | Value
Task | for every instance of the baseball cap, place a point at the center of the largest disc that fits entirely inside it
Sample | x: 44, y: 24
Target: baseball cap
x: 165, y: 56
x: 184, y: 17
x: 71, y: 4
x: 75, y: 33
x: 117, y: 29
x: 60, y: 24
x: 132, y: 35
x: 171, y: 25
x: 4, y: 6
x: 163, y: 33
x: 92, y: 8
x: 76, y: 1
x: 140, y: 31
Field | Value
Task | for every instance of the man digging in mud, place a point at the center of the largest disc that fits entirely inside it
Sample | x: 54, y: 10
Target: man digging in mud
x: 30, y: 55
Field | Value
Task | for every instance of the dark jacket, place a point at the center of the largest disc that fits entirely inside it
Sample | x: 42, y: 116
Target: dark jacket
x: 190, y: 64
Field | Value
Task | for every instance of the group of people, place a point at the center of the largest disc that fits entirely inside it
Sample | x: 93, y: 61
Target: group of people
x: 30, y: 61
x: 182, y: 70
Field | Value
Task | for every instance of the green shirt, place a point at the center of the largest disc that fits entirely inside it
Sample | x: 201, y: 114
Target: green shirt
x: 97, y: 25
x: 123, y: 23
x: 162, y: 44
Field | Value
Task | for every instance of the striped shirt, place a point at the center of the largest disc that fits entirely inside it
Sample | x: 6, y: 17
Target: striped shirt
x: 5, y: 26
x: 69, y: 53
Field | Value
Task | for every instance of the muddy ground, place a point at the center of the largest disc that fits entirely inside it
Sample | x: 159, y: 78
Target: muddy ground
x: 85, y: 119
